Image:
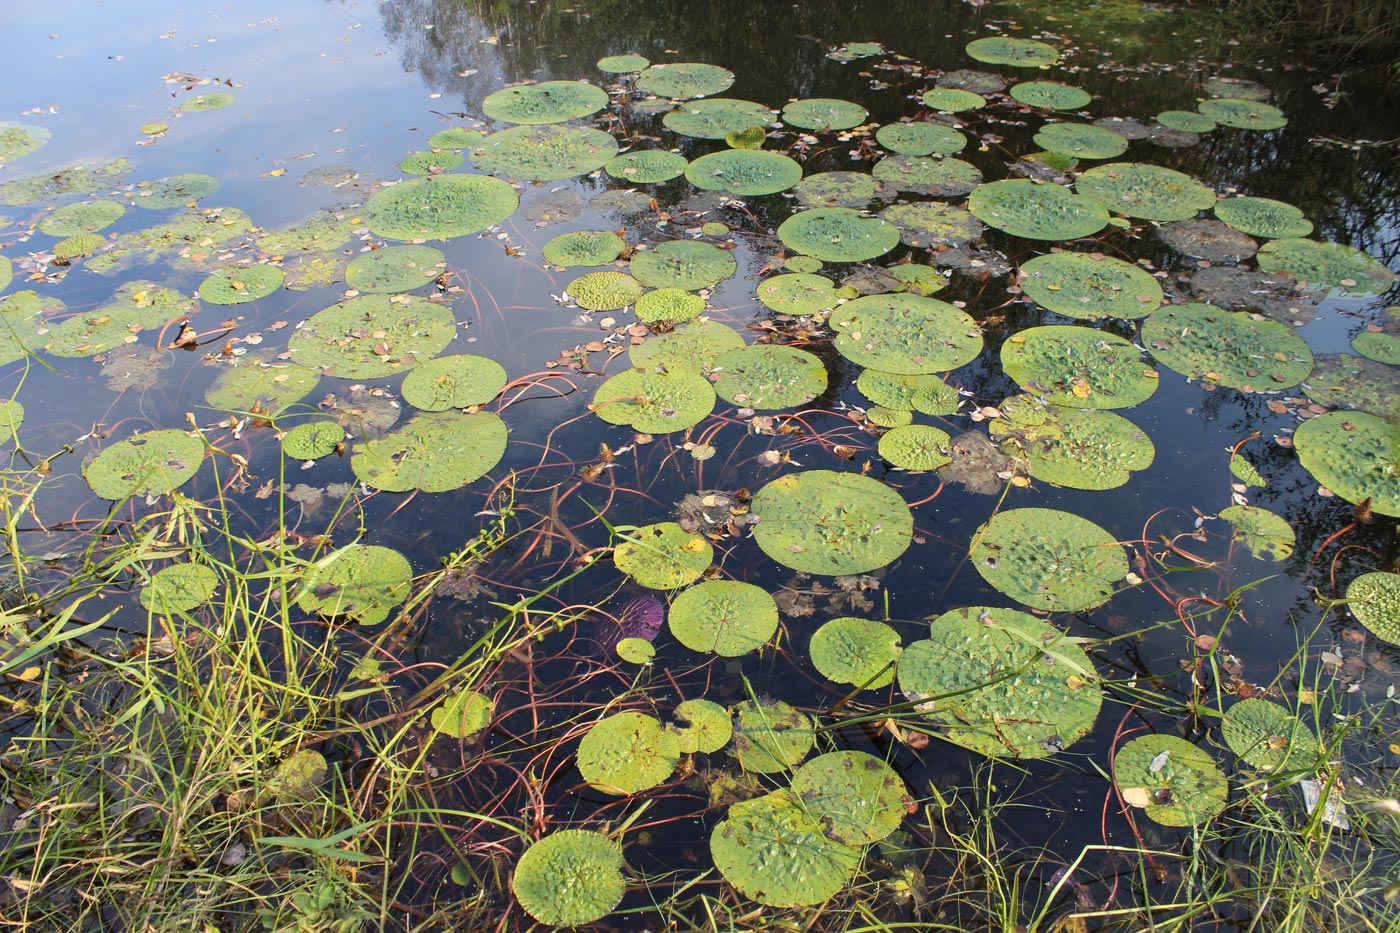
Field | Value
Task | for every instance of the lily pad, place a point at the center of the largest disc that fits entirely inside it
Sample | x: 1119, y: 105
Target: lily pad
x: 702, y: 726
x: 174, y: 191
x: 776, y: 852
x: 1238, y: 88
x: 1227, y: 348
x: 942, y: 178
x: 770, y: 736
x: 463, y: 714
x: 1073, y: 447
x: 546, y: 102
x: 916, y: 447
x: 435, y: 452
x: 1050, y: 95
x: 431, y: 162
x: 1374, y: 598
x: 76, y: 178
x: 1151, y: 192
x: 313, y: 440
x: 896, y: 390
x: 906, y: 334
x: 461, y: 381
x: 838, y: 234
x: 1269, y: 737
x: 1090, y: 286
x: 1383, y: 348
x: 1263, y: 217
x: 395, y: 268
x: 726, y: 617
x: 1036, y: 211
x: 457, y: 137
x: 1243, y: 114
x: 744, y: 172
x: 1204, y: 238
x: 1177, y: 783
x: 543, y: 153
x: 920, y: 139
x: 1268, y: 536
x: 605, y: 291
x: 569, y: 878
x: 85, y: 217
x: 241, y: 284
x: 1341, y: 380
x: 663, y: 556
x: 1326, y: 265
x: 692, y: 347
x: 805, y: 265
x: 950, y: 100
x: 11, y: 417
x: 1048, y: 559
x: 623, y: 64
x: 1078, y: 367
x: 883, y: 417
x: 928, y: 224
x: 969, y: 79
x: 682, y: 80
x: 7, y: 272
x: 179, y: 588
x: 855, y: 651
x: 671, y: 305
x: 583, y: 248
x: 79, y: 245
x: 255, y: 385
x: 20, y: 139
x: 646, y: 166
x: 149, y: 464
x: 1186, y: 121
x: 822, y: 522
x: 373, y: 336
x: 362, y: 581
x: 684, y: 264
x: 717, y: 118
x: 215, y: 100
x: 440, y: 207
x: 1354, y: 454
x: 917, y: 279
x: 797, y: 293
x: 1081, y: 140
x: 1003, y: 50
x: 769, y: 376
x: 851, y: 51
x: 823, y: 114
x: 627, y: 752
x: 837, y: 189
x: 856, y: 797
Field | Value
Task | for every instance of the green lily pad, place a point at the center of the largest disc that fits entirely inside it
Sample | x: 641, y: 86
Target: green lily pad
x: 216, y: 100
x: 440, y: 207
x: 671, y: 305
x: 1227, y: 348
x: 627, y: 752
x: 1078, y: 367
x: 916, y: 447
x: 942, y: 178
x: 179, y: 588
x: 1341, y: 380
x: 1081, y: 140
x: 1238, y: 88
x: 1023, y: 53
x: 797, y: 293
x: 663, y: 556
x: 883, y: 417
x: 21, y: 321
x: 431, y: 162
x: 297, y: 777
x: 1036, y: 211
x: 362, y: 581
x: 823, y: 114
x: 313, y: 440
x: 906, y: 334
x: 702, y: 726
x: 717, y: 117
x: 86, y: 217
x: 149, y: 464
x: 7, y: 272
x: 1090, y: 286
x: 1004, y: 683
x: 838, y: 234
x: 1048, y: 559
x: 855, y: 651
x: 605, y: 291
x: 623, y: 64
x: 1354, y: 454
x: 804, y: 265
x: 543, y: 153
x: 174, y: 191
x: 837, y: 189
x: 1374, y: 598
x: 583, y: 248
x: 822, y: 522
x: 682, y: 80
x: 11, y: 417
x: 770, y: 736
x: 950, y: 100
x: 239, y: 285
x: 20, y: 139
x: 457, y: 137
x: 463, y: 714
x: 744, y: 172
x: 1326, y: 265
x: 1243, y: 114
x: 1178, y: 783
x: 917, y: 279
x: 726, y: 617
x: 685, y: 264
x: 1268, y: 536
x: 1050, y: 95
x: 895, y: 390
x: 546, y: 102
x: 79, y: 245
x: 1150, y: 192
x: 1246, y: 472
x: 395, y: 268
x: 326, y: 229
x: 1269, y: 737
x: 856, y: 797
x: 373, y: 336
x: 635, y: 650
x: 1186, y: 121
x: 1383, y: 348
x: 435, y: 452
x: 1078, y: 448
x: 192, y: 240
x: 769, y: 376
x: 692, y: 347
x: 136, y: 306
x: 255, y: 385
x: 851, y: 51
x: 751, y: 137
x: 459, y: 381
x: 927, y: 224
x: 921, y: 139
x: 776, y: 852
x: 1263, y: 217
x: 569, y: 878
x: 646, y: 166
x: 75, y: 178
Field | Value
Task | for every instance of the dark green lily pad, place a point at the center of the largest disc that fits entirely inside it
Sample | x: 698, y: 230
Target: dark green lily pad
x: 1227, y: 348
x: 1003, y: 50
x: 1383, y: 348
x: 1081, y: 140
x: 1204, y: 238
x: 797, y: 293
x: 456, y: 137
x: 1243, y: 114
x: 937, y: 399
x: 11, y: 417
x: 179, y: 588
x: 692, y: 347
x: 461, y: 381
x: 1051, y: 95
x: 583, y: 248
x: 856, y: 797
x: 440, y: 207
x: 1090, y: 286
x: 569, y: 878
x: 255, y: 385
x: 605, y: 291
x: 546, y: 102
x: 906, y: 334
x: 240, y: 285
x: 149, y: 464
x: 215, y: 100
x: 646, y: 166
x: 1326, y: 265
x: 685, y: 264
x: 1036, y: 211
x: 174, y: 191
x: 1150, y: 192
x: 1078, y: 367
x: 1237, y: 88
x: 1268, y: 536
x: 838, y: 234
x: 663, y: 556
x: 837, y: 189
x: 803, y: 265
x: 463, y: 714
x: 544, y: 153
x: 435, y: 452
x: 85, y: 217
x: 1374, y: 598
x: 79, y: 245
x: 726, y: 617
x: 671, y: 305
x: 1186, y: 121
x: 20, y: 139
x: 950, y: 100
x: 823, y: 114
x: 1263, y: 217
x: 1074, y: 447
x: 681, y: 80
x: 627, y: 752
x: 75, y: 178
x: 855, y: 651
x: 942, y: 178
x: 432, y: 162
x: 1354, y: 454
x: 769, y: 376
x: 851, y: 51
x: 395, y: 268
x: 770, y: 736
x: 894, y: 390
x: 717, y: 118
x: 373, y: 336
x: 1178, y: 783
x: 744, y: 172
x: 1269, y: 737
x: 822, y: 522
x: 623, y: 64
x: 772, y: 849
x: 702, y: 726
x: 920, y: 139
x: 926, y: 224
x: 1048, y: 559
x: 1341, y: 380
x: 313, y: 440
x: 916, y: 447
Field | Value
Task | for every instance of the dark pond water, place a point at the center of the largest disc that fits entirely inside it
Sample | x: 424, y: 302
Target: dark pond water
x: 330, y: 97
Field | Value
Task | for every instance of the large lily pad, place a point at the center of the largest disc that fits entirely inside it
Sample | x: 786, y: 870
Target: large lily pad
x: 744, y: 172
x: 1354, y: 454
x: 797, y: 293
x: 238, y: 285
x: 717, y: 118
x: 1267, y: 535
x: 395, y: 268
x: 692, y: 347
x: 646, y: 166
x: 136, y: 306
x: 583, y: 248
x: 179, y: 588
x: 440, y: 207
x: 435, y: 452
x: 906, y: 334
x: 920, y: 139
x: 627, y: 752
x: 1050, y: 95
x: 671, y: 305
x: 1078, y: 448
x: 544, y: 153
x: 831, y: 523
x: 663, y: 556
x: 1078, y: 367
x: 770, y: 736
x: 726, y: 617
x: 1326, y: 265
x: 1081, y: 140
x: 181, y: 190
x: 1374, y: 598
x: 838, y: 234
x: 772, y: 849
x: 1036, y: 211
x: 927, y: 224
x: 454, y: 382
x: 1178, y: 783
x: 837, y: 189
x: 1269, y: 737
x: 1341, y: 380
x: 1382, y: 348
x: 1004, y: 50
x: 683, y: 264
x: 856, y: 797
x: 373, y: 336
x: 769, y: 376
x: 943, y: 178
x: 1227, y: 348
x: 546, y: 102
x: 20, y: 139
x: 1263, y: 217
x: 570, y: 878
x: 899, y: 391
x: 1048, y: 559
x: 916, y: 447
x: 362, y: 581
x: 823, y: 114
x: 1090, y: 286
x: 253, y: 384
x: 951, y: 100
x: 1243, y: 114
x: 853, y: 651
x: 681, y: 80
x: 1150, y: 192
x: 84, y: 217
x: 655, y: 402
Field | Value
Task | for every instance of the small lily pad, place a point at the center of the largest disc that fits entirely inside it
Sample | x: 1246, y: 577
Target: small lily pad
x: 702, y: 726
x: 682, y: 80
x: 692, y: 347
x: 1186, y: 121
x: 916, y: 447
x: 79, y: 245
x: 313, y: 440
x: 685, y: 264
x: 895, y: 390
x: 627, y: 752
x: 1236, y: 88
x: 1036, y: 211
x: 744, y: 172
x: 823, y: 114
x: 837, y: 189
x: 463, y: 714
x: 646, y: 166
x: 855, y: 651
x: 1150, y: 192
x: 950, y: 100
x: 361, y: 581
x: 461, y: 381
x: 856, y: 797
x: 179, y: 588
x: 11, y: 417
x: 546, y: 102
x: 769, y: 376
x: 671, y: 305
x: 917, y: 279
x: 84, y: 217
x: 1263, y: 217
x: 1269, y: 737
x: 431, y: 162
x: 623, y: 64
x: 1374, y: 598
x: 797, y: 293
x: 1048, y: 559
x: 1081, y: 140
x: 838, y: 234
x: 174, y: 190
x: 770, y: 736
x: 395, y: 268
x: 851, y: 51
x: 440, y: 207
x: 726, y: 617
x: 1090, y: 286
x: 569, y: 878
x: 772, y: 849
x: 1073, y: 447
x: 920, y: 139
x: 907, y: 334
x: 718, y: 117
x: 1267, y: 535
x: 663, y: 556
x: 1050, y: 95
x: 1177, y: 783
x: 216, y: 100
x: 1326, y: 265
x: 20, y: 139
x: 435, y: 452
x: 543, y: 153
x: 241, y: 284
x: 149, y: 464
x: 1355, y: 455
x: 941, y: 178
x: 1227, y: 348
x: 1022, y: 53
x: 1243, y: 114
x: 605, y: 291
x: 456, y: 137
x: 1078, y: 367
x: 583, y: 248
x: 822, y: 522
x: 373, y: 336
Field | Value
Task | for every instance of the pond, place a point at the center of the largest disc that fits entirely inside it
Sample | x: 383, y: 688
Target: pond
x: 712, y: 466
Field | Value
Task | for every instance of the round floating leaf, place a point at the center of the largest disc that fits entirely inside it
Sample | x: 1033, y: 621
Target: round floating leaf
x: 1186, y: 121
x: 685, y: 264
x: 1078, y: 448
x: 917, y: 279
x: 463, y: 714
x: 86, y: 217
x: 1355, y: 455
x: 622, y: 64
x: 855, y: 651
x: 1090, y: 286
x: 646, y: 166
x: 19, y: 139
x: 838, y: 234
x: 1263, y: 217
x: 7, y: 272
x: 906, y: 334
x: 1004, y: 683
x: 726, y: 617
x: 627, y: 752
x: 798, y: 293
x: 1244, y: 114
x: 702, y: 726
x: 361, y: 581
x: 1269, y: 737
x: 255, y: 385
x: 916, y: 447
x: 949, y: 100
x: 663, y: 556
x: 769, y: 376
x: 217, y: 100
x: 774, y: 851
x: 831, y: 523
x: 455, y: 138
x: 11, y: 417
x: 1227, y: 348
x: 1268, y: 536
x: 546, y: 102
x: 941, y: 178
x: 1340, y: 380
x: 856, y: 797
x: 930, y: 223
x: 1374, y: 598
x: 435, y: 451
x: 240, y: 285
x: 853, y: 50
x: 635, y: 650
x: 395, y: 268
x: 297, y: 777
x: 681, y: 80
x: 570, y: 878
x: 1150, y: 192
x: 895, y: 390
x: 805, y: 265
x: 1023, y: 53
x: 823, y: 113
x: 717, y: 118
x: 692, y: 347
x: 751, y: 137
x: 920, y: 139
x: 584, y: 248
x: 149, y: 464
x: 313, y: 440
x: 440, y: 207
x: 179, y: 588
x: 770, y: 736
x: 1050, y: 95
x: 837, y: 189
x: 744, y: 172
x: 1081, y: 140
x: 1326, y: 265
x: 1049, y: 559
x: 669, y: 304
x: 1383, y: 348
x: 79, y: 245
x: 1203, y: 238
x: 431, y: 163
x: 542, y: 153
x: 373, y: 336
x: 1036, y: 211
x: 937, y: 399
x: 1177, y: 783
x: 1078, y: 367
x: 175, y: 190
x: 605, y: 291
x: 883, y: 417
x: 454, y: 382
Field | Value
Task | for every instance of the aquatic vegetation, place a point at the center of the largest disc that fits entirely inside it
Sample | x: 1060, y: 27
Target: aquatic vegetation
x: 147, y: 464
x: 925, y: 224
x: 546, y: 102
x: 1354, y: 455
x: 1268, y: 737
x: 363, y: 582
x: 463, y: 714
x: 583, y: 248
x: 241, y: 284
x: 622, y: 64
x: 671, y: 305
x: 88, y: 177
x: 1267, y: 536
x: 774, y: 851
x: 1383, y: 348
x: 84, y: 217
x: 461, y: 381
x: 1227, y: 347
x: 823, y: 114
x: 627, y: 752
x: 701, y: 726
x: 395, y: 268
x: 726, y: 617
x: 1150, y: 192
x: 257, y: 384
x: 915, y: 447
x: 1243, y: 114
x: 457, y: 137
x: 818, y: 521
x: 647, y: 166
x: 906, y: 334
x: 1326, y: 265
x: 19, y: 139
x: 215, y: 100
x: 435, y: 452
x: 544, y: 153
x: 605, y: 291
x: 920, y: 139
x: 948, y: 100
x: 440, y: 207
x: 1081, y: 141
x: 1186, y: 121
x: 837, y: 189
x: 179, y: 588
x: 373, y: 336
x: 854, y: 651
x: 1173, y: 781
x: 766, y: 376
x: 432, y: 162
x: 1079, y: 367
x: 1022, y: 53
x: 1211, y: 240
x: 1049, y: 559
x: 1036, y: 211
x: 79, y: 245
x: 693, y: 347
x: 744, y: 172
x: 663, y: 556
x: 798, y: 293
x: 1263, y: 217
x: 838, y: 234
x: 174, y: 190
x: 1374, y: 598
x: 1340, y: 380
x: 313, y: 440
x: 1075, y: 447
x: 684, y: 80
x: 1090, y: 286
x: 770, y: 736
x: 1050, y: 95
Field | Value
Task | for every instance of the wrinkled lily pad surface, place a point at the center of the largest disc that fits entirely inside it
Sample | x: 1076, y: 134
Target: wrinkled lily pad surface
x: 1146, y: 191
x: 454, y: 382
x: 440, y: 208
x: 1024, y: 53
x: 744, y: 172
x: 1268, y: 536
x: 1263, y: 217
x: 1048, y: 559
x: 681, y: 80
x: 1227, y: 348
x: 543, y: 153
x: 1341, y: 380
x: 546, y: 102
x: 726, y: 617
x: 831, y: 523
x: 922, y: 175
x: 1050, y: 95
x: 362, y: 581
x: 605, y: 291
x: 646, y: 166
x: 313, y: 440
x: 583, y: 248
x: 237, y: 286
x: 1244, y: 114
x: 463, y: 714
x: 838, y: 234
x: 702, y: 726
x: 663, y: 556
x: 692, y: 347
x: 1374, y: 598
x: 823, y: 113
x: 768, y: 376
x: 175, y: 190
x: 770, y: 736
x: 1326, y: 265
x: 435, y: 452
x: 837, y: 189
x: 684, y: 264
x: 797, y: 293
x: 257, y: 385
x: 1270, y: 738
x: 1183, y: 788
x: 455, y: 138
x: 931, y: 223
x: 373, y: 336
x: 216, y: 100
x: 920, y: 139
x: 623, y: 64
x: 1036, y: 211
x: 857, y: 797
x: 1079, y: 367
x: 627, y: 752
x: 149, y: 464
x: 718, y: 117
x: 395, y: 268
x: 1074, y: 447
x: 179, y: 588
x: 19, y: 139
x: 916, y: 447
x: 1081, y: 140
x: 1382, y: 348
x: 906, y: 334
x: 569, y: 878
x: 668, y: 304
x: 431, y: 163
x: 85, y: 217
x: 772, y: 849
x: 1090, y: 286
x: 853, y: 651
x: 1355, y: 455
x: 950, y: 100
